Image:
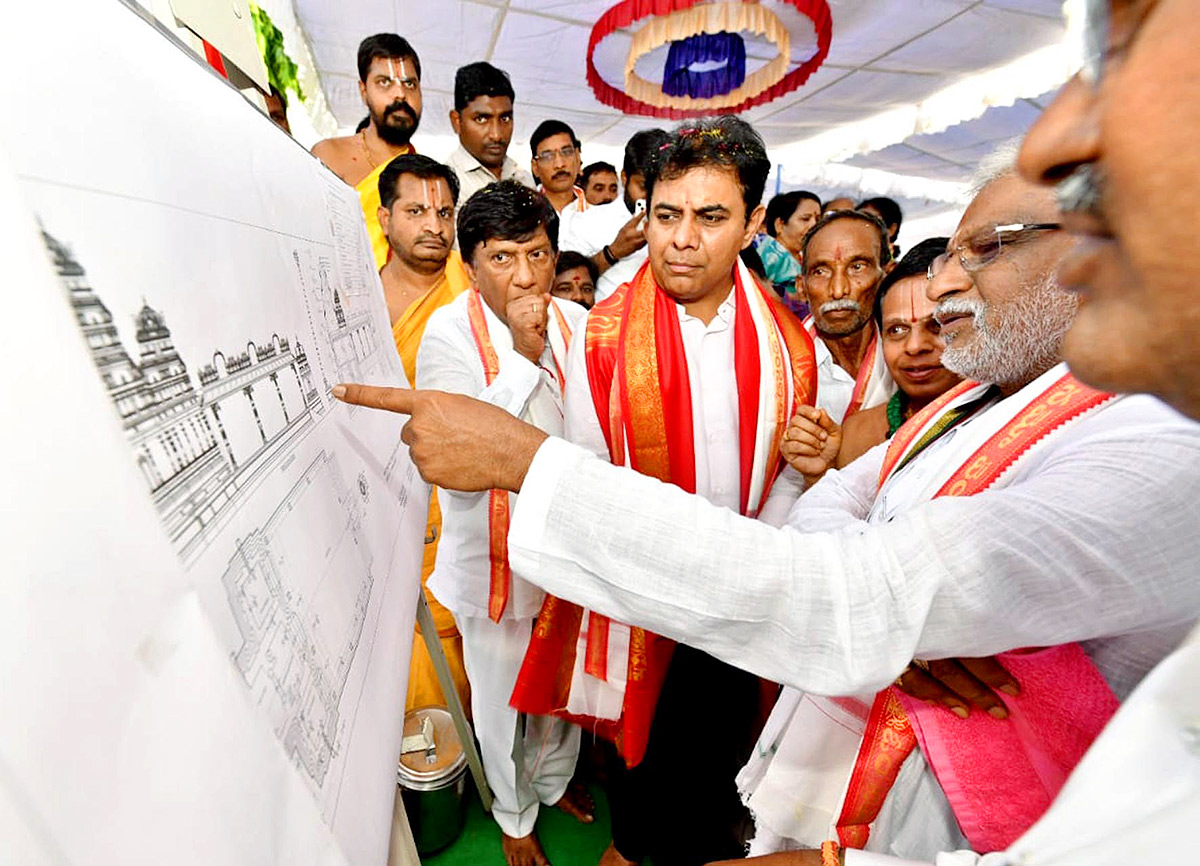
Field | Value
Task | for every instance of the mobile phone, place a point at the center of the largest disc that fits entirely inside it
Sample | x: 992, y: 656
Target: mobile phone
x: 639, y: 206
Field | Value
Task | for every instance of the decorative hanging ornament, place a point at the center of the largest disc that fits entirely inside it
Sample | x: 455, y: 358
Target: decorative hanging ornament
x: 705, y: 71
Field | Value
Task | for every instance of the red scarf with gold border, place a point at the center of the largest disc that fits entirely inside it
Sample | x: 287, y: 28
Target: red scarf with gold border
x: 639, y: 379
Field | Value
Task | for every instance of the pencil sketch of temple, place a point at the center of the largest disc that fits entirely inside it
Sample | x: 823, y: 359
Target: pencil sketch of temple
x: 199, y: 446
x: 294, y: 660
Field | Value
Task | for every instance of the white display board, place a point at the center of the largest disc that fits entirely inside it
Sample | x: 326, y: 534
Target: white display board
x: 209, y: 567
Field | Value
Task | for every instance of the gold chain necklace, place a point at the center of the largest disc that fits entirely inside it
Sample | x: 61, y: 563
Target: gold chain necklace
x: 362, y: 137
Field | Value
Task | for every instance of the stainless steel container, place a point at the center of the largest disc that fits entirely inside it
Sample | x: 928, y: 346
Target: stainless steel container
x: 433, y: 778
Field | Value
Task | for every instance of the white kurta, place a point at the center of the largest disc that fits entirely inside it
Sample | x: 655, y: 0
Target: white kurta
x: 448, y: 360
x: 525, y: 763
x: 1095, y: 544
x: 835, y: 386
x: 589, y: 232
x: 708, y: 350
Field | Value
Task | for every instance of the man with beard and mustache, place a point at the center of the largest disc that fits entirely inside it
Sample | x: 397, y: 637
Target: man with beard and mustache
x: 389, y: 81
x: 556, y: 160
x: 612, y: 235
x: 1035, y: 514
x: 483, y: 121
x: 844, y: 257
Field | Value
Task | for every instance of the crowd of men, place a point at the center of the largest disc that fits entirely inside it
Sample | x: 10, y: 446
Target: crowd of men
x: 753, y: 449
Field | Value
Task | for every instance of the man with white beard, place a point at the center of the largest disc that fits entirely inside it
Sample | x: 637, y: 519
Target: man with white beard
x: 1003, y: 318
x: 1035, y: 516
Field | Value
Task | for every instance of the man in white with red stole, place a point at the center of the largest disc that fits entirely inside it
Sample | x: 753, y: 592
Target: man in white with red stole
x: 688, y: 373
x: 505, y: 341
x: 885, y: 771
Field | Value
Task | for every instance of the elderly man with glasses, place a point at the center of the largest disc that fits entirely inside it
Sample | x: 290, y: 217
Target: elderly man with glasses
x: 1023, y: 511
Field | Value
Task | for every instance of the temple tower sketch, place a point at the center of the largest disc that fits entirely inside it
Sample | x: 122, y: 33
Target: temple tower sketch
x: 198, y: 445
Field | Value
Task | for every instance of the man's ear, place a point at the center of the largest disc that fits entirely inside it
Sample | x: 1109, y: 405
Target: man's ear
x: 889, y: 267
x: 362, y: 92
x: 455, y: 120
x: 624, y: 180
x: 470, y: 269
x: 384, y: 216
x: 753, y: 225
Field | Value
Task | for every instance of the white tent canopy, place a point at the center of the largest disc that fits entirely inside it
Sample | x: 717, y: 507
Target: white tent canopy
x: 911, y: 95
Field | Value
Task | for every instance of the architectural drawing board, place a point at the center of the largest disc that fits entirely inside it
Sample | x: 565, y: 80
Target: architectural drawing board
x: 237, y: 553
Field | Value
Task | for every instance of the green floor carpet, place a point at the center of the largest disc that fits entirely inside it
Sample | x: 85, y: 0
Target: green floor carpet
x: 565, y: 840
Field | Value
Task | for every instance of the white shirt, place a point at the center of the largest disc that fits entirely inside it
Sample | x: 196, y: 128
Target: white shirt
x: 713, y: 387
x: 448, y: 360
x: 473, y: 175
x: 1099, y: 546
x: 591, y: 231
x: 835, y: 386
x: 1135, y: 796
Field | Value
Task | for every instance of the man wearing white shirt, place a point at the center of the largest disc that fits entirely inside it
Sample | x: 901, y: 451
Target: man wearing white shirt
x: 836, y: 612
x: 611, y: 235
x: 695, y: 335
x: 845, y: 256
x: 504, y: 340
x: 557, y: 157
x: 482, y: 119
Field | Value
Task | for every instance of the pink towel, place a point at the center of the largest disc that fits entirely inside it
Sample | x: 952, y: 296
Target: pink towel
x: 1001, y: 775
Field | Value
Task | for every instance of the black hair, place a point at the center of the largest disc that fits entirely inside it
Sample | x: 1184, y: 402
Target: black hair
x: 548, y: 128
x: 480, y: 79
x: 278, y: 94
x: 782, y: 206
x: 641, y: 151
x: 885, y: 248
x: 597, y: 168
x: 753, y: 261
x: 363, y: 124
x: 726, y: 142
x: 419, y: 166
x: 915, y: 262
x: 385, y: 46
x: 569, y: 260
x: 504, y: 210
x: 887, y: 209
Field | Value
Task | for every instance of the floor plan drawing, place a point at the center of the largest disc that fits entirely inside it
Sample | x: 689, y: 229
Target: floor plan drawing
x: 294, y: 659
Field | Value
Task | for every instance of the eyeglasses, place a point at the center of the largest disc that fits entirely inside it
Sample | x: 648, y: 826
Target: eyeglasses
x: 565, y: 152
x: 1095, y: 39
x: 979, y: 252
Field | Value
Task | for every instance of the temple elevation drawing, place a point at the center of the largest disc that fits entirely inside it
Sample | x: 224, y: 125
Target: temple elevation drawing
x: 199, y: 446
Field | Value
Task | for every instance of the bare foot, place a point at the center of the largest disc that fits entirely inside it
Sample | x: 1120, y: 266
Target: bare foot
x: 525, y: 851
x: 578, y: 803
x: 612, y: 857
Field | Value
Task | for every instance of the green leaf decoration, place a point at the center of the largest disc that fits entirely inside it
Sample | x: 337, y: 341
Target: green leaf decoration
x: 281, y: 69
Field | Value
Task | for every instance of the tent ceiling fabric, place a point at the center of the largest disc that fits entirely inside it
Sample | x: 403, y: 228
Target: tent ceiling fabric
x: 888, y: 59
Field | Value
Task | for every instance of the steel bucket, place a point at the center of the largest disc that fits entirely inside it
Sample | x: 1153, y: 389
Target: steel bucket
x: 433, y: 777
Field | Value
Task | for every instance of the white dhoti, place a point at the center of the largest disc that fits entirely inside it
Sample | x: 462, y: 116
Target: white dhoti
x: 528, y: 760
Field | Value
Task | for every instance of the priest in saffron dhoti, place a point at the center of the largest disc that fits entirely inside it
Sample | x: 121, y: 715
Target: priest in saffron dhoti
x: 418, y: 197
x: 689, y: 373
x: 389, y: 81
x: 1022, y: 513
x: 504, y: 340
